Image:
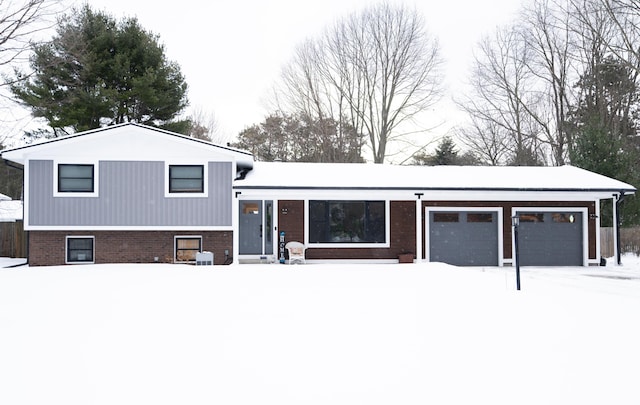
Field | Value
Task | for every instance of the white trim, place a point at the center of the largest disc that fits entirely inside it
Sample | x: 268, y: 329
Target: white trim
x: 76, y: 161
x: 66, y: 248
x: 175, y: 246
x: 428, y: 195
x: 419, y: 242
x: 585, y: 226
x: 499, y: 225
x: 597, y: 231
x: 387, y: 226
x: 614, y: 222
x: 205, y: 186
x: 127, y: 228
x: 26, y: 196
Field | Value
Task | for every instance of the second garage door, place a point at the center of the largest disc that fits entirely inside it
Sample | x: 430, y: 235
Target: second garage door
x: 464, y: 238
x: 551, y: 238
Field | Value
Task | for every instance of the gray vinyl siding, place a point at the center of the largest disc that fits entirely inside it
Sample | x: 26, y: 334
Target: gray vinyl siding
x: 131, y: 193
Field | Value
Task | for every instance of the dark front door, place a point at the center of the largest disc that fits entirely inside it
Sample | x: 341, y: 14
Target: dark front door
x: 250, y: 227
x: 256, y: 224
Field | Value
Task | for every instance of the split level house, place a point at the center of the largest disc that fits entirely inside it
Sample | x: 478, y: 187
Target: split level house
x: 131, y: 193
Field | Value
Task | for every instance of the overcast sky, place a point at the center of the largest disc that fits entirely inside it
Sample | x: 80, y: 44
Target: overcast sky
x: 231, y: 52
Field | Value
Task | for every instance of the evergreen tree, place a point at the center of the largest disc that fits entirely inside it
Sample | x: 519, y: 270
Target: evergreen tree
x: 10, y: 180
x: 97, y: 71
x: 604, y: 129
x: 446, y: 154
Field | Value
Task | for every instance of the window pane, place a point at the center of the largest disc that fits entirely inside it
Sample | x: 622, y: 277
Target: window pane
x: 375, y: 221
x: 186, y: 249
x: 186, y: 172
x: 80, y: 250
x: 445, y: 217
x: 531, y: 217
x: 563, y: 217
x: 76, y: 185
x: 186, y: 179
x: 250, y: 208
x: 75, y: 170
x: 478, y: 217
x: 347, y: 221
x: 188, y: 243
x: 75, y: 178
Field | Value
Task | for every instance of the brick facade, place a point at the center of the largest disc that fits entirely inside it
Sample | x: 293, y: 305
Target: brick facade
x: 402, y: 226
x: 47, y: 248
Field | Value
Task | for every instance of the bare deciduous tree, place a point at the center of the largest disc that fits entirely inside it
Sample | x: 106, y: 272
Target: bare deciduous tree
x: 501, y: 101
x: 204, y: 125
x: 20, y: 22
x: 374, y: 70
x: 547, y: 33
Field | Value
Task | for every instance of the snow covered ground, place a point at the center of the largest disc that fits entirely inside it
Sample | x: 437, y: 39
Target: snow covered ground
x: 319, y: 334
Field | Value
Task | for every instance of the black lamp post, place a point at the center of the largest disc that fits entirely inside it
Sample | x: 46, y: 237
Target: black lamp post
x: 515, y: 222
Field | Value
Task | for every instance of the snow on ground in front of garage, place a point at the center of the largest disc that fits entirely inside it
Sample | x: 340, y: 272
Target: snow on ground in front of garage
x: 319, y: 334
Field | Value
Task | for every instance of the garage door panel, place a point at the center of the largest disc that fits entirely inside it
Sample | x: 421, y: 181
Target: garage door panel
x: 550, y: 239
x: 463, y: 238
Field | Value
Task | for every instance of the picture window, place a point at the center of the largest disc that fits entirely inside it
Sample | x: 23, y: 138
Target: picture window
x: 347, y: 222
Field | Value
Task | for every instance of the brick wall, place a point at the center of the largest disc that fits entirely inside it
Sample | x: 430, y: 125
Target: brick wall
x: 402, y: 227
x: 47, y: 248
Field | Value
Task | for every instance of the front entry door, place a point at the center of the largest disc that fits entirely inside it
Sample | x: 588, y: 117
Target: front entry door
x: 255, y: 227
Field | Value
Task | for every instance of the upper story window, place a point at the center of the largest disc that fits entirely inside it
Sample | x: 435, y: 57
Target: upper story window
x: 76, y: 178
x: 186, y: 179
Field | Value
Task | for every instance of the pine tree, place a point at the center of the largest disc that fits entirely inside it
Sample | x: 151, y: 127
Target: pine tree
x: 97, y: 71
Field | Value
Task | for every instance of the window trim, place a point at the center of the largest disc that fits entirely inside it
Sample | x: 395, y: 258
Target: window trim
x: 349, y: 245
x: 56, y: 179
x: 179, y: 194
x: 175, y: 247
x: 93, y: 249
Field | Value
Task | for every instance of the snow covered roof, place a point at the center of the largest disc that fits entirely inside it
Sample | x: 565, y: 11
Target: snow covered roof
x: 286, y: 175
x: 124, y: 142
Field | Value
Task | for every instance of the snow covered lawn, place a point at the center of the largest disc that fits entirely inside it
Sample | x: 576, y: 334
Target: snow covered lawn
x: 319, y: 334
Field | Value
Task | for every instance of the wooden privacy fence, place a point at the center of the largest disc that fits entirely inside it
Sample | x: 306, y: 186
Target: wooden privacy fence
x: 629, y: 241
x: 13, y: 240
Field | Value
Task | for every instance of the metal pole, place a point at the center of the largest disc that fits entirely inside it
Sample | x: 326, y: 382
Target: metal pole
x: 516, y: 223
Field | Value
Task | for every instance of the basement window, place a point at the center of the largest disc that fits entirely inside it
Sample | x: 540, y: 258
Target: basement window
x: 80, y: 249
x: 186, y: 248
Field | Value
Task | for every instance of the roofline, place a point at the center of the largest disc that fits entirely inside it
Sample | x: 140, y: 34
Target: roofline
x: 92, y: 131
x: 536, y: 189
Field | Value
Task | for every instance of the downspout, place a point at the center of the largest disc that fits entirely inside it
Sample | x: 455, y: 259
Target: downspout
x: 419, y: 241
x: 618, y: 223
